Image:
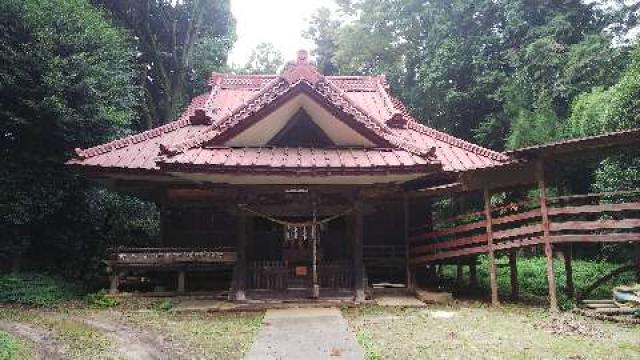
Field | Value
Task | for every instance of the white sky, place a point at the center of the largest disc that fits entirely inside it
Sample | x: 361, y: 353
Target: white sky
x: 279, y: 22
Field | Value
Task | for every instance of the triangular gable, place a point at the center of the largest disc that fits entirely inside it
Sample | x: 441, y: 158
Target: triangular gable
x: 300, y: 78
x: 301, y: 131
x: 343, y: 128
x: 258, y: 131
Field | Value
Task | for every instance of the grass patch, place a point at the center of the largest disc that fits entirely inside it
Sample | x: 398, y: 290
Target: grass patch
x: 475, y: 330
x: 34, y: 289
x: 215, y: 336
x: 79, y: 340
x: 365, y: 340
x: 532, y: 277
x: 84, y: 341
x: 12, y: 348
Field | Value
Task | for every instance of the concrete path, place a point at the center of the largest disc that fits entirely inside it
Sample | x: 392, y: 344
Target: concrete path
x: 306, y: 333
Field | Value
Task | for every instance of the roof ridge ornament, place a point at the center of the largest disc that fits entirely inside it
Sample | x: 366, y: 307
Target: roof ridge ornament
x: 200, y: 117
x: 301, y: 69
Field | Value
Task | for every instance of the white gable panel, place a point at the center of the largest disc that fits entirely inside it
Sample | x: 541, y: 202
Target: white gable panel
x: 266, y: 128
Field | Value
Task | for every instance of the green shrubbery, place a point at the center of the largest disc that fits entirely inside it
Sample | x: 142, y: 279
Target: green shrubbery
x: 532, y: 277
x: 164, y: 305
x: 34, y: 289
x: 102, y: 299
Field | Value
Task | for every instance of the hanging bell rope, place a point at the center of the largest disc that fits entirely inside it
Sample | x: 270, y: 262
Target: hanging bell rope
x: 313, y: 222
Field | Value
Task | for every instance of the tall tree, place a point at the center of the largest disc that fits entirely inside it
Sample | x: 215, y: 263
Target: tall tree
x: 265, y: 58
x: 323, y: 30
x: 169, y: 35
x: 67, y: 79
x: 611, y: 109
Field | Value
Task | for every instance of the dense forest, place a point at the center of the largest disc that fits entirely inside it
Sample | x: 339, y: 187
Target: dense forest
x: 75, y: 73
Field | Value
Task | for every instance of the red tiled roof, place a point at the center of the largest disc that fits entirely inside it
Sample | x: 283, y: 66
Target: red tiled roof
x: 236, y: 101
x: 296, y: 160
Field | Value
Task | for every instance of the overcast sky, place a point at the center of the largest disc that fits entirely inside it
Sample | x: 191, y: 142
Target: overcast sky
x: 279, y: 22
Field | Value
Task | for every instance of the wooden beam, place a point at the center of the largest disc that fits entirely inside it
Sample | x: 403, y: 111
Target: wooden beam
x: 358, y: 264
x: 568, y: 270
x: 447, y: 244
x: 501, y: 178
x: 599, y: 238
x: 437, y: 190
x: 450, y: 254
x: 492, y: 257
x: 513, y: 270
x: 548, y: 249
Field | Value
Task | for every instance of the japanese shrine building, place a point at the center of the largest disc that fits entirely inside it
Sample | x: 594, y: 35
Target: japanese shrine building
x: 300, y: 182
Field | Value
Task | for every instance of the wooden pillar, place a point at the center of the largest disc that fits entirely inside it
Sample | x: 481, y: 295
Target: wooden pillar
x: 492, y: 257
x: 548, y: 248
x: 315, y: 291
x: 240, y: 270
x: 16, y: 263
x: 163, y: 220
x: 181, y: 276
x: 513, y: 269
x: 358, y: 265
x: 409, y: 267
x: 459, y: 273
x: 568, y: 270
x: 114, y: 282
x: 473, y: 273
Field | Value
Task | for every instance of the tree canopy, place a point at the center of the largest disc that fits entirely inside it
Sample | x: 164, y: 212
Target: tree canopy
x: 265, y: 58
x: 505, y: 74
x: 479, y: 69
x: 179, y: 44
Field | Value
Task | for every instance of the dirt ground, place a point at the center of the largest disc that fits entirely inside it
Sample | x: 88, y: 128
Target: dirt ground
x: 465, y: 330
x: 138, y: 332
x: 470, y: 330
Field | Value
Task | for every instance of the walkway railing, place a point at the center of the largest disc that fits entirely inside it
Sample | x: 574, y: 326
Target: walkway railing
x: 603, y: 217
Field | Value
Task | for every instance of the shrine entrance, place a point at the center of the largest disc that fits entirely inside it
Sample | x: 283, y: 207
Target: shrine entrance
x: 300, y: 257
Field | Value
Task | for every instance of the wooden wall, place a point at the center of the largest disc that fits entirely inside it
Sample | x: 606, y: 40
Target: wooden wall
x: 197, y: 225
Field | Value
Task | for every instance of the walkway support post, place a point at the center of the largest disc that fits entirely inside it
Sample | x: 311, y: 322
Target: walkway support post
x: 568, y: 270
x: 492, y: 258
x: 114, y: 279
x: 358, y: 265
x: 240, y: 271
x: 409, y: 266
x: 513, y: 269
x: 548, y: 249
x: 181, y: 276
x: 473, y: 273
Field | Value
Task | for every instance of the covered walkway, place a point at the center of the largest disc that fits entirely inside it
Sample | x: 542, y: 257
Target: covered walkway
x: 555, y: 222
